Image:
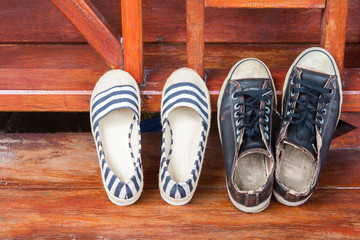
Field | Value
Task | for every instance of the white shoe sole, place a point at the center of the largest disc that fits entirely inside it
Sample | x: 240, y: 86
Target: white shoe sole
x: 281, y: 200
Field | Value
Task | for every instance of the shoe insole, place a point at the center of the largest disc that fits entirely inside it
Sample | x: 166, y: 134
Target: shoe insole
x: 114, y: 134
x: 186, y: 133
x: 296, y: 170
x: 250, y: 172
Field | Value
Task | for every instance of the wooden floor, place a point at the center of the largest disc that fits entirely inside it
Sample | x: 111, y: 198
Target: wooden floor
x: 50, y: 187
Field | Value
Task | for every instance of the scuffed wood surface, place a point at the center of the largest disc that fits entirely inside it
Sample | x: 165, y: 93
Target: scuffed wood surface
x: 87, y: 214
x: 50, y: 187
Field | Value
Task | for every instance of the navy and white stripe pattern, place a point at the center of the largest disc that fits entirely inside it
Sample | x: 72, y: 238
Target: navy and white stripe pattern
x: 115, y: 98
x: 180, y: 95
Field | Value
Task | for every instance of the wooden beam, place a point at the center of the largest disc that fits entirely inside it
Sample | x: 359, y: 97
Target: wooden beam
x: 265, y: 3
x: 87, y: 22
x: 333, y: 30
x: 195, y: 35
x: 63, y: 94
x: 222, y: 24
x: 131, y: 13
x: 60, y: 159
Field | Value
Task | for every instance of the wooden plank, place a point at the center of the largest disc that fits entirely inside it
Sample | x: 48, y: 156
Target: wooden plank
x: 57, y: 158
x: 87, y: 213
x: 86, y: 21
x: 221, y: 25
x: 78, y: 101
x: 265, y: 4
x: 156, y: 56
x: 85, y: 79
x: 195, y: 35
x: 50, y: 56
x: 44, y: 101
x: 131, y: 12
x: 74, y: 96
x: 49, y: 79
x: 333, y: 30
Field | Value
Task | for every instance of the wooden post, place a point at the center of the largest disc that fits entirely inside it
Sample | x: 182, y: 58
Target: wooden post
x: 195, y: 35
x: 333, y: 30
x: 95, y: 32
x: 131, y: 14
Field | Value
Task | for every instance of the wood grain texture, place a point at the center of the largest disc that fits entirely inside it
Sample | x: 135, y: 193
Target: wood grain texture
x: 93, y: 29
x: 157, y: 56
x: 333, y: 30
x: 195, y: 35
x: 221, y: 25
x: 87, y: 213
x: 54, y: 160
x: 132, y: 32
x: 50, y: 187
x: 70, y: 89
x: 265, y: 4
x: 50, y: 56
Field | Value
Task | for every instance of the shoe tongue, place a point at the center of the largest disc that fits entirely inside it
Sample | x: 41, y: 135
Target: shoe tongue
x: 301, y: 135
x: 251, y: 84
x: 251, y: 144
x: 319, y: 78
x: 256, y: 144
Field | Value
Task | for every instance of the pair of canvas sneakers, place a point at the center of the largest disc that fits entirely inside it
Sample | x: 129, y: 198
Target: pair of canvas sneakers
x: 254, y: 163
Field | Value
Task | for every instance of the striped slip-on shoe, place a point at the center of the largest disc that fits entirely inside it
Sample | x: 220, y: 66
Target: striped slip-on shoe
x: 185, y: 116
x: 115, y: 116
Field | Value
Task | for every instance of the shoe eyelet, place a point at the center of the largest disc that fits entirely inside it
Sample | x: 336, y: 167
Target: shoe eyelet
x: 236, y: 114
x: 267, y: 136
x: 267, y: 110
x: 284, y: 123
x: 266, y: 128
x: 288, y: 113
x: 237, y: 123
x: 238, y: 131
x: 237, y: 139
x: 266, y: 118
x: 331, y: 91
x: 233, y: 96
x: 292, y: 93
x: 324, y: 111
x: 292, y: 82
x: 321, y: 120
x: 320, y: 130
x: 289, y: 103
x: 268, y: 102
x: 236, y: 106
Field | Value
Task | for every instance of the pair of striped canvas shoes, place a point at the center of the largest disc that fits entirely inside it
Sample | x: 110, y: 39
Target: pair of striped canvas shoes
x: 115, y: 122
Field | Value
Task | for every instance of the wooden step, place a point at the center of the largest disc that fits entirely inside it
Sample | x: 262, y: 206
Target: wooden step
x: 55, y: 77
x: 227, y: 25
x: 50, y: 187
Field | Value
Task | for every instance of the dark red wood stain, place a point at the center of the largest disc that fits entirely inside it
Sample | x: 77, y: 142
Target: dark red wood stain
x: 50, y: 187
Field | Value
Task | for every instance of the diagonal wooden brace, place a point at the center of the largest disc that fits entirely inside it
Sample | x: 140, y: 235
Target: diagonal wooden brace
x: 95, y: 32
